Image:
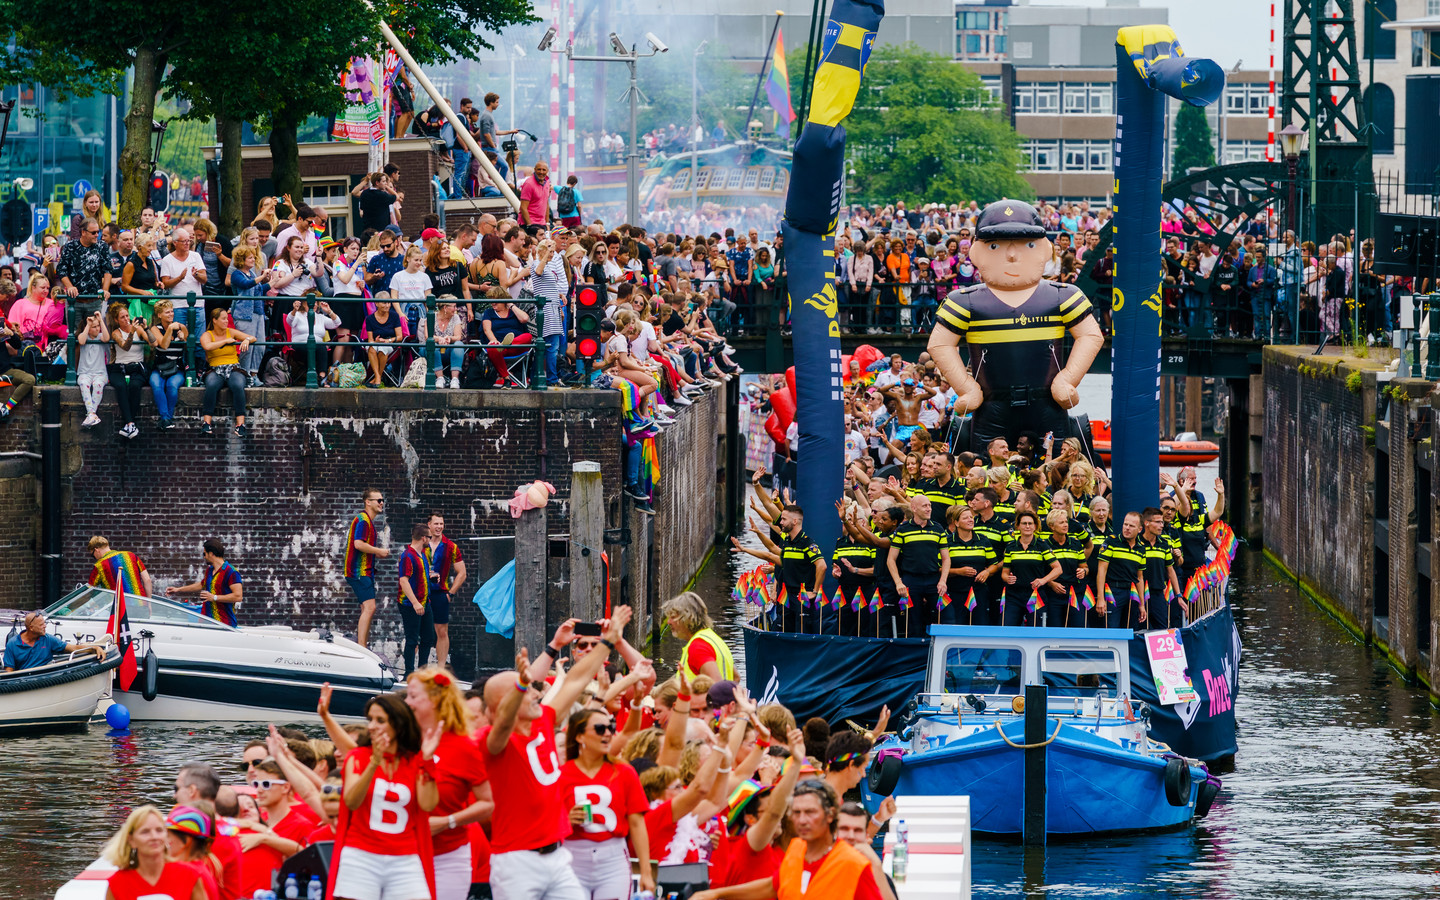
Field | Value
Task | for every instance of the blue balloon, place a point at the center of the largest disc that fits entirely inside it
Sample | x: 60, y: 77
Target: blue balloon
x: 117, y: 716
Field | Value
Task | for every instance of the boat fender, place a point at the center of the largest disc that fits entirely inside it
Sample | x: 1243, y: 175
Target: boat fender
x: 1177, y: 781
x: 1209, y: 788
x: 150, y: 672
x: 884, y: 772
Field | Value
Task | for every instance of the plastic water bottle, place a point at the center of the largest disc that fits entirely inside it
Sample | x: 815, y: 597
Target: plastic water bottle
x: 315, y: 891
x: 292, y: 888
x: 900, y: 862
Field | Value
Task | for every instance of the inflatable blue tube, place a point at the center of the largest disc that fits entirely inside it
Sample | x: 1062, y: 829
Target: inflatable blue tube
x: 812, y: 206
x: 1149, y: 67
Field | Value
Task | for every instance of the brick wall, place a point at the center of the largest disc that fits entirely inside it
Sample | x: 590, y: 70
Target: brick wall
x: 1318, y: 472
x: 281, y: 498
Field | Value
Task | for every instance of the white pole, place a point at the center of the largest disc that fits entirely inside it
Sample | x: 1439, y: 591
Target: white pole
x: 461, y: 131
x: 567, y: 167
x: 1270, y: 133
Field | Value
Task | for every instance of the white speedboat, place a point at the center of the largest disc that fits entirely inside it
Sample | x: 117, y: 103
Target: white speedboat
x: 194, y: 668
x: 64, y: 693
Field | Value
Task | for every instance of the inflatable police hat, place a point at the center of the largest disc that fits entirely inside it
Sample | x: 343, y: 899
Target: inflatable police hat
x: 1009, y: 220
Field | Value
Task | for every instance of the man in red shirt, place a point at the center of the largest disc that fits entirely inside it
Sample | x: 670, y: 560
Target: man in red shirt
x: 287, y: 826
x: 531, y: 818
x: 198, y: 782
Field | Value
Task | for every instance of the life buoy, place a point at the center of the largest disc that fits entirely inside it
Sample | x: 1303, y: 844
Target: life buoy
x: 1177, y: 782
x: 1204, y: 797
x: 150, y: 672
x: 884, y: 774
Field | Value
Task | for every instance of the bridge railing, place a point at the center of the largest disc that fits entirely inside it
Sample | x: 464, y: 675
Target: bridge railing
x: 529, y: 370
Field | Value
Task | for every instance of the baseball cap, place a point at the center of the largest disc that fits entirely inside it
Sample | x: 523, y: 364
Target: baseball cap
x: 429, y: 233
x: 720, y: 693
x: 393, y: 228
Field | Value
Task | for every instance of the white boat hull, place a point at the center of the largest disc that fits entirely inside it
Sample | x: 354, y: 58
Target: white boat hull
x: 60, y: 706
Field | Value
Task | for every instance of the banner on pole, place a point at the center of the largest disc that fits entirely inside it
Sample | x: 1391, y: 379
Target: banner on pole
x: 360, y: 122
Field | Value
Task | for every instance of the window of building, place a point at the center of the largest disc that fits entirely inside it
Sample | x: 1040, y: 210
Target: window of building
x: 1102, y: 99
x: 702, y: 179
x: 1417, y: 48
x: 974, y: 44
x: 1259, y: 98
x: 767, y: 178
x: 1044, y: 155
x: 333, y: 196
x: 1379, y: 41
x: 1025, y: 97
x: 682, y: 180
x: 1000, y: 42
x: 1047, y: 99
x: 972, y: 21
x: 737, y: 177
x: 752, y: 177
x: 1432, y: 8
x: 992, y: 84
x: 1076, y: 99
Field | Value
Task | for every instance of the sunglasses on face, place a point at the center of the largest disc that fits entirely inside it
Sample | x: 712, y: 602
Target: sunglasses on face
x: 586, y: 645
x: 603, y: 728
x: 329, y: 790
x: 265, y: 784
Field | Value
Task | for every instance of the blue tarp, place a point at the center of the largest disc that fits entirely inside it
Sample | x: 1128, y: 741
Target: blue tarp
x: 838, y: 677
x: 496, y: 599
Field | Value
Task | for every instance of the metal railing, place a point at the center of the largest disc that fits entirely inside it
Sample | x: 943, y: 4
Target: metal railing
x: 535, y: 351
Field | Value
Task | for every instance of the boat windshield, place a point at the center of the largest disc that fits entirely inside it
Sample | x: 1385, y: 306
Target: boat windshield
x: 95, y: 603
x: 1080, y: 673
x: 983, y: 670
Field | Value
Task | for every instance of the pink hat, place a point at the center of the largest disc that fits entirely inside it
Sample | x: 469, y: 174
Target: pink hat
x: 429, y: 233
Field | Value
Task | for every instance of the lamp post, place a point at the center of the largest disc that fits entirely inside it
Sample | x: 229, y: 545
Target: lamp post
x: 1292, y: 144
x: 628, y: 56
x: 694, y: 123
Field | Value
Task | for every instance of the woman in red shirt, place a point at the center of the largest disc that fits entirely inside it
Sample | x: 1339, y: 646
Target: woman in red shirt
x: 607, y: 804
x: 464, y: 787
x: 384, y: 843
x: 189, y: 835
x: 139, y: 850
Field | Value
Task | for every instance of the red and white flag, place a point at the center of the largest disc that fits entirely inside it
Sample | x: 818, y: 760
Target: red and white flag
x: 119, y: 628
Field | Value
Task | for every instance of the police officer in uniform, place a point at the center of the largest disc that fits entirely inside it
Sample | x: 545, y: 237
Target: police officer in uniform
x: 879, y: 533
x: 1122, y: 561
x: 994, y: 527
x: 1014, y: 325
x: 973, y: 562
x: 939, y: 485
x: 1159, y: 572
x: 1071, y: 547
x: 1029, y: 568
x: 801, y: 569
x: 919, y: 561
x: 1193, y: 521
x: 854, y: 570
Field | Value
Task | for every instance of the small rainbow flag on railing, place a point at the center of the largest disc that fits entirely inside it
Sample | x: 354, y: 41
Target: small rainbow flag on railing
x: 1089, y: 597
x: 876, y: 604
x: 1034, y: 602
x: 944, y: 600
x: 970, y: 599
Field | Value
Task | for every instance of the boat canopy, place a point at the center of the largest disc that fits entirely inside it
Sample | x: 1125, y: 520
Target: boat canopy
x: 89, y: 602
x: 1001, y: 661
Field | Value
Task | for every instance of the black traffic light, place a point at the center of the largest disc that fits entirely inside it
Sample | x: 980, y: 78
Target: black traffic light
x: 589, y: 311
x: 159, y: 192
x: 15, y: 221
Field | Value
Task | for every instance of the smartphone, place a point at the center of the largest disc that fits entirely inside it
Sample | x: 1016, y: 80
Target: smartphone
x: 588, y: 629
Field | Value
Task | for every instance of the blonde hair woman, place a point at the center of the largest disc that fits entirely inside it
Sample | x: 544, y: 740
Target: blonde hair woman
x: 705, y: 653
x: 139, y: 850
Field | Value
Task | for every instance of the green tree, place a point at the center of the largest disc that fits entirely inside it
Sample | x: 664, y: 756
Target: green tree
x: 1194, y: 144
x: 925, y: 130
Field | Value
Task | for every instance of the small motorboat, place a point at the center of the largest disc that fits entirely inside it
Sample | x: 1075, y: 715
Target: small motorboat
x: 193, y: 668
x: 1186, y: 450
x: 62, y: 694
x: 966, y: 735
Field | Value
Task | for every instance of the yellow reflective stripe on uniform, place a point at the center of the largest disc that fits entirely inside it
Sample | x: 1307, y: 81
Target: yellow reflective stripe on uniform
x: 723, y: 660
x: 1073, y: 307
x: 1015, y: 335
x: 954, y: 315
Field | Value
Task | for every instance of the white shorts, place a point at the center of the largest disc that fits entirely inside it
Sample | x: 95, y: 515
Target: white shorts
x: 527, y: 875
x: 362, y: 875
x: 452, y: 874
x: 602, y: 868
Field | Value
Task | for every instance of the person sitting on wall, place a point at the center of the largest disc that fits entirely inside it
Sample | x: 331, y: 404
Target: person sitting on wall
x: 1010, y: 322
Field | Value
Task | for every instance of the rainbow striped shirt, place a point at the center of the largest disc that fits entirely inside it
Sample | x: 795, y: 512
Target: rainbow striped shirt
x: 416, y: 567
x: 219, y: 581
x: 358, y: 562
x: 119, y: 567
x: 442, y: 559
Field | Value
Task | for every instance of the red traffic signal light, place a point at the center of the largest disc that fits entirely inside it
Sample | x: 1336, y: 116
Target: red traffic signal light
x: 588, y: 296
x: 588, y: 347
x: 157, y: 183
x: 159, y: 191
x: 590, y: 310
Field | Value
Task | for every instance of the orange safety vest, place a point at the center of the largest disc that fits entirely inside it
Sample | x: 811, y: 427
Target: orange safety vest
x: 837, y: 877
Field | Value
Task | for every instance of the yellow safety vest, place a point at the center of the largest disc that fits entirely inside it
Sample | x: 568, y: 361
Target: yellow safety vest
x: 723, y: 659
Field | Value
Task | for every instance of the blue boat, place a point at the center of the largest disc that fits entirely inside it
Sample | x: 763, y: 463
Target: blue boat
x: 1089, y: 764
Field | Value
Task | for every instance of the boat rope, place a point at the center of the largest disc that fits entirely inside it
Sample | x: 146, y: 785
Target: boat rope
x: 1005, y: 737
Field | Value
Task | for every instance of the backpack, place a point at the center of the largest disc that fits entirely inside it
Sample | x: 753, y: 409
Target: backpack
x: 415, y: 375
x: 565, y: 205
x: 275, y: 372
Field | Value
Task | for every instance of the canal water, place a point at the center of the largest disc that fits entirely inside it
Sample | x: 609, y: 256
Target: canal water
x: 1335, y: 791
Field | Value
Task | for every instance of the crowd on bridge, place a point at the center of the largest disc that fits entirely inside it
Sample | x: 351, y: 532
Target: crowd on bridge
x: 933, y: 533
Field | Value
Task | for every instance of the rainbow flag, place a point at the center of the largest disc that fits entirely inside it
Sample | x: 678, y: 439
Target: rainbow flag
x: 905, y: 601
x: 1135, y: 593
x: 777, y: 83
x: 970, y: 600
x: 1034, y: 602
x: 1089, y: 598
x: 945, y: 600
x: 838, y: 601
x: 1074, y: 599
x: 857, y: 602
x: 780, y: 598
x: 876, y: 604
x: 1109, y: 598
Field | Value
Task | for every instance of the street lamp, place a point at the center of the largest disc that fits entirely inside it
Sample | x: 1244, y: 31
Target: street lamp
x: 632, y: 162
x: 1292, y: 144
x: 695, y: 123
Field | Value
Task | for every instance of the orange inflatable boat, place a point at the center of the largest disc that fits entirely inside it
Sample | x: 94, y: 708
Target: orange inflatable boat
x: 1172, y: 453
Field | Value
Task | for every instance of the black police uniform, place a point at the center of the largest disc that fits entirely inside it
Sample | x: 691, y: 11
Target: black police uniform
x: 796, y: 573
x: 1194, y: 538
x: 1071, y: 555
x: 861, y: 556
x: 1126, y: 563
x: 941, y: 496
x: 1014, y: 350
x: 1159, y: 557
x: 977, y: 552
x: 883, y: 619
x: 919, y: 563
x: 1094, y: 618
x: 1026, y: 563
x: 997, y: 531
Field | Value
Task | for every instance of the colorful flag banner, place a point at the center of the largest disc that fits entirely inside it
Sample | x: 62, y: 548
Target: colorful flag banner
x: 360, y: 122
x: 777, y: 83
x: 970, y: 599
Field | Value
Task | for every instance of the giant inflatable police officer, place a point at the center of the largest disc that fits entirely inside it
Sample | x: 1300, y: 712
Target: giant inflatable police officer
x: 1014, y: 325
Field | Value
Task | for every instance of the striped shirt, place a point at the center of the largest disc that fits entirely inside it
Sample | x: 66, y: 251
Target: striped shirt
x: 550, y: 284
x: 358, y: 562
x: 1014, y: 346
x: 119, y: 567
x: 218, y: 581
